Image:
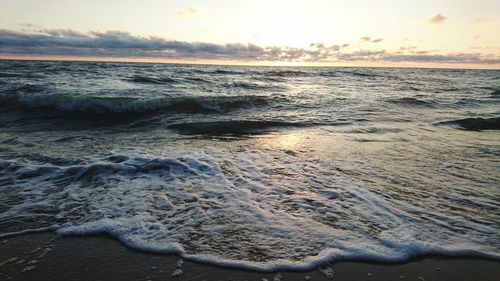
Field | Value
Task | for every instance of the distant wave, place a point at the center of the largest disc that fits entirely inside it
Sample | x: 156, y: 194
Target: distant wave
x: 286, y: 73
x: 11, y: 74
x: 495, y: 93
x: 328, y: 74
x: 216, y: 71
x: 221, y: 71
x: 269, y: 73
x: 255, y: 86
x: 151, y: 80
x: 410, y: 88
x: 475, y: 124
x: 359, y: 73
x: 412, y: 102
x: 22, y: 74
x: 268, y: 79
x: 197, y: 80
x: 231, y: 127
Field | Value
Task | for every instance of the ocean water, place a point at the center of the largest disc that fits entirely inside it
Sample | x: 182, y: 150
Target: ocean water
x: 256, y: 167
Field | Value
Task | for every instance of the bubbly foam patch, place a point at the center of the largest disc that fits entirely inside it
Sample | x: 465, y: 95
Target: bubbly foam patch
x: 257, y: 209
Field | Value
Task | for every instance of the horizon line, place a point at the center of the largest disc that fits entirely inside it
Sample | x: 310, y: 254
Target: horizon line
x: 145, y: 60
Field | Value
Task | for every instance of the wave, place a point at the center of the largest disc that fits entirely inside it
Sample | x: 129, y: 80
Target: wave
x: 151, y: 80
x: 216, y: 103
x: 328, y: 74
x: 226, y: 72
x: 472, y: 102
x: 211, y: 71
x: 475, y: 124
x: 232, y: 127
x: 285, y: 73
x: 413, y: 102
x: 110, y: 105
x: 411, y: 88
x: 268, y: 79
x: 365, y: 73
x: 10, y: 96
x: 258, y: 206
x: 255, y: 86
x: 12, y: 75
x: 197, y: 80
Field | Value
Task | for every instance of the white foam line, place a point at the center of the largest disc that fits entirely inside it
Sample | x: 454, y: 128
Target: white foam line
x: 28, y: 231
x: 310, y: 263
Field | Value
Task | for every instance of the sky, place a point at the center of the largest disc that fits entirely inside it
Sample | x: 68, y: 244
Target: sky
x: 425, y: 33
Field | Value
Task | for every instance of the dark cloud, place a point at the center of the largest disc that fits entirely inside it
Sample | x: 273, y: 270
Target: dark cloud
x: 119, y: 43
x: 115, y: 43
x: 123, y: 44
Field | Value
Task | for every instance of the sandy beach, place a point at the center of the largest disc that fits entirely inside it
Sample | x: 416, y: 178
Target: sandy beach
x: 46, y: 256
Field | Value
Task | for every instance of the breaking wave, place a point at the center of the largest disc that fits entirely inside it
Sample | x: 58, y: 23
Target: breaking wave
x: 230, y: 207
x: 110, y: 104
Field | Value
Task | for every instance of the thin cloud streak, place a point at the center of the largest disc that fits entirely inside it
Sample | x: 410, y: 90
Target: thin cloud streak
x: 370, y: 40
x: 479, y: 20
x: 66, y: 42
x: 190, y: 10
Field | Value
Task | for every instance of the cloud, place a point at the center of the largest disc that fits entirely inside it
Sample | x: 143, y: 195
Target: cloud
x: 122, y: 44
x: 443, y: 58
x: 362, y: 55
x: 190, y: 10
x: 437, y: 19
x: 407, y: 48
x: 370, y: 40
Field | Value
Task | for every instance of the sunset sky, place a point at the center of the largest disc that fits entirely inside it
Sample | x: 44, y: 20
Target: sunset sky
x: 442, y: 33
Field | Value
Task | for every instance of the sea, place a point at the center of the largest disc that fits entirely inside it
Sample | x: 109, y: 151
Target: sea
x: 261, y: 168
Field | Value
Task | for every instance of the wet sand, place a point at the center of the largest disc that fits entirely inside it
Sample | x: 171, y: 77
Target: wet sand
x: 45, y: 256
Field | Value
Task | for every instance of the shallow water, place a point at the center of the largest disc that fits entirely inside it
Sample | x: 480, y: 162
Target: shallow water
x: 257, y: 167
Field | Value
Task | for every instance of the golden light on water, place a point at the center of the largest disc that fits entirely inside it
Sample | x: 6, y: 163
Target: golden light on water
x: 290, y: 141
x: 293, y: 141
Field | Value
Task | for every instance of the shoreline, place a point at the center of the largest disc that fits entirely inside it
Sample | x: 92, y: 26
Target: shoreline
x: 46, y: 256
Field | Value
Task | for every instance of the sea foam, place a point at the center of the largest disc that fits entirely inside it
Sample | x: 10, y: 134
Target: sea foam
x: 256, y: 209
